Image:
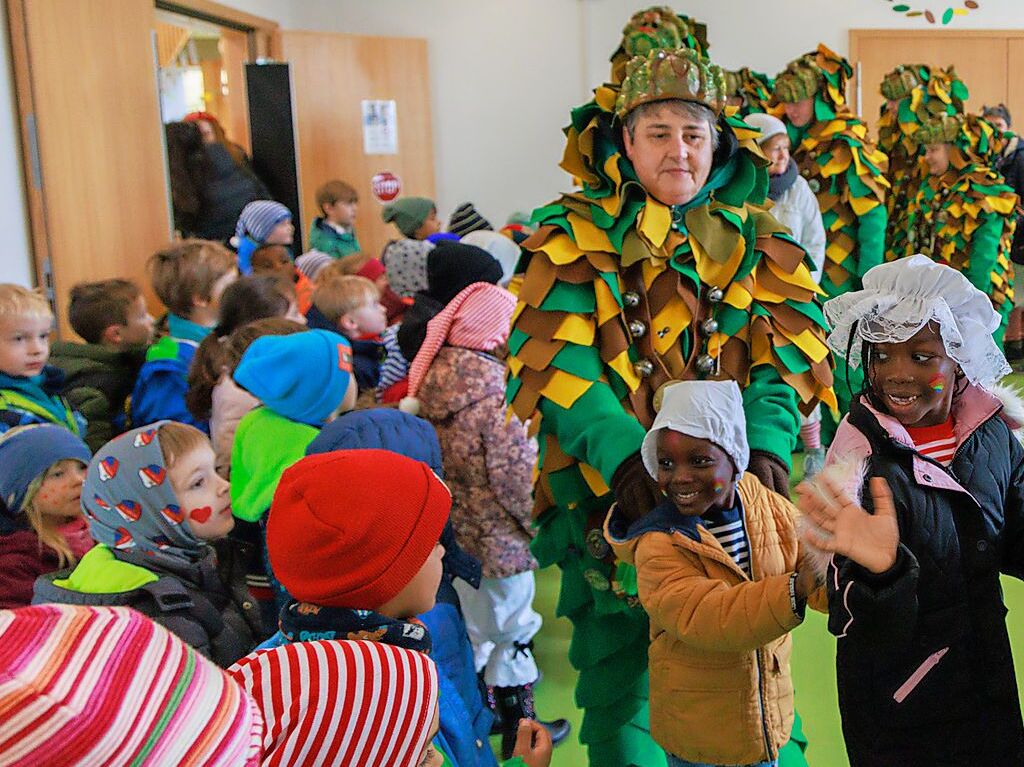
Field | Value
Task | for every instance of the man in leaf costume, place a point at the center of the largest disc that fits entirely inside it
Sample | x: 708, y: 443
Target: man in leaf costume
x: 964, y: 213
x: 914, y: 94
x: 665, y: 266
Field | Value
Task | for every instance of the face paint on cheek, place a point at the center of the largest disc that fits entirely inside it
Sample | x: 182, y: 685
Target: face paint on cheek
x: 719, y: 487
x: 200, y: 515
x: 937, y: 383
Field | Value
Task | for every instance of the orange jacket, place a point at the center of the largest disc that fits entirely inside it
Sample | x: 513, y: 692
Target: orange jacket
x: 719, y: 658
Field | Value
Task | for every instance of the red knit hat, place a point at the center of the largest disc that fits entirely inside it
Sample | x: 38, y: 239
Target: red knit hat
x: 351, y: 528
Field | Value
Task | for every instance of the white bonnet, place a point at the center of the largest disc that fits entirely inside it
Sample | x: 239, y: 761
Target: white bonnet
x: 711, y: 410
x: 901, y: 297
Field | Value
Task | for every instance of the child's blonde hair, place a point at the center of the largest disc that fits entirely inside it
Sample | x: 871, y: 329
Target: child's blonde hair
x: 46, y: 528
x: 338, y: 296
x: 16, y: 300
x: 187, y: 270
x: 346, y: 266
x: 178, y: 440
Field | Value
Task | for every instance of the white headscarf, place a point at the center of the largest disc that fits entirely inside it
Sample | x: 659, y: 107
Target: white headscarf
x: 711, y: 410
x: 502, y: 248
x: 901, y: 297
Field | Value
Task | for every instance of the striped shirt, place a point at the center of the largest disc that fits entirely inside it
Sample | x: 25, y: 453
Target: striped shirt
x: 727, y: 527
x: 936, y: 442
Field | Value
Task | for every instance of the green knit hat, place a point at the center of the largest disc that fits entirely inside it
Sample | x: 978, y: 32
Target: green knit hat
x: 408, y: 213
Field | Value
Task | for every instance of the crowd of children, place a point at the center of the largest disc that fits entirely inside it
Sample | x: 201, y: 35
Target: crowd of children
x: 307, y: 485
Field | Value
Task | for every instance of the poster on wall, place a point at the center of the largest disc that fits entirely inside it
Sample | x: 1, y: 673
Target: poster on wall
x: 380, y: 127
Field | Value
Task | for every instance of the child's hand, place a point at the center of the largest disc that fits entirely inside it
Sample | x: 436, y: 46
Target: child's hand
x: 870, y: 540
x: 808, y: 579
x: 533, y: 743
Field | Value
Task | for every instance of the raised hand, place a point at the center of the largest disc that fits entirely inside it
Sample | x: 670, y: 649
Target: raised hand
x: 843, y: 527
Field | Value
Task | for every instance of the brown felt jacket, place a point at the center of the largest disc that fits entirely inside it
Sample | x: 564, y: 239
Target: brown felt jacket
x: 720, y: 684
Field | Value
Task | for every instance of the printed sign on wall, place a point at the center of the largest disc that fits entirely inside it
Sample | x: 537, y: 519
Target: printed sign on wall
x: 380, y: 127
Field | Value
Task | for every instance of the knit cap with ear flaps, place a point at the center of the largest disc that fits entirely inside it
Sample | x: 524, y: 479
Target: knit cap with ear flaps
x: 105, y: 685
x: 26, y: 452
x: 351, y: 528
x: 303, y: 377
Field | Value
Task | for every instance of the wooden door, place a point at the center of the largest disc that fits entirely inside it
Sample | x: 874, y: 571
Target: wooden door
x: 1015, y: 78
x: 980, y: 59
x: 86, y: 80
x: 234, y: 53
x: 331, y: 75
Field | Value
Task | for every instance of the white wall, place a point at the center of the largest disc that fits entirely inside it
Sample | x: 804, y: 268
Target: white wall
x: 15, y: 256
x: 502, y: 77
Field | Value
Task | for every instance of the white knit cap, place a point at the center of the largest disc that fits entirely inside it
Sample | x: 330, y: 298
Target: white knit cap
x: 711, y: 410
x: 502, y: 248
x: 900, y: 298
x: 768, y: 125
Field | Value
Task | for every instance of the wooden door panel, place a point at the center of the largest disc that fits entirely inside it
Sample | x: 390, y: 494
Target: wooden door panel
x: 331, y: 75
x: 92, y: 72
x: 1015, y: 83
x: 979, y: 60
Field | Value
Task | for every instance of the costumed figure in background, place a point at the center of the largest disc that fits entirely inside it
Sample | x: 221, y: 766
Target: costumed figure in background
x: 665, y: 266
x: 964, y: 214
x: 845, y: 171
x: 914, y: 94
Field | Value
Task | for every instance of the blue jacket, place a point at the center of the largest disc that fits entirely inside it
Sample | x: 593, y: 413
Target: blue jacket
x: 465, y: 720
x: 163, y: 379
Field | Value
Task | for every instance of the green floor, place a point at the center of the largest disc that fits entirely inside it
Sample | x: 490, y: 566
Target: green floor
x: 813, y: 674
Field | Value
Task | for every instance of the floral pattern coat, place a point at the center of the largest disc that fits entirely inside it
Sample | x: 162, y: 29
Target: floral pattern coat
x: 488, y: 462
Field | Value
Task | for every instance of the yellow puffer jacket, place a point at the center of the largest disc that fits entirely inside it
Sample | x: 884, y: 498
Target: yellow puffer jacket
x: 719, y: 658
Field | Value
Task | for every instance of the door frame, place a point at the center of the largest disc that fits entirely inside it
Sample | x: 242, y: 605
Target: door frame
x: 856, y: 35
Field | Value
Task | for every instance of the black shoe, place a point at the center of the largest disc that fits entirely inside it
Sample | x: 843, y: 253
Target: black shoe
x: 515, y: 703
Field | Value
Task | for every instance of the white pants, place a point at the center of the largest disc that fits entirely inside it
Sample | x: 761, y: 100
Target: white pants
x: 500, y: 615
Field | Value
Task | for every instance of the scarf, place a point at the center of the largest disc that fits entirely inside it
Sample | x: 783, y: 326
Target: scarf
x: 304, y: 622
x: 779, y: 185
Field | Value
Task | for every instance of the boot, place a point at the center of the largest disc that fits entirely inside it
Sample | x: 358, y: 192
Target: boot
x: 515, y: 703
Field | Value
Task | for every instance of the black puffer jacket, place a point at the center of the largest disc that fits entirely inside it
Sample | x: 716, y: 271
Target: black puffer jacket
x: 923, y: 661
x: 208, y: 607
x: 229, y: 188
x: 1011, y: 165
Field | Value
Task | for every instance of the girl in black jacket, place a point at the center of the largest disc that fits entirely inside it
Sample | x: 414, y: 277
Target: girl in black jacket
x: 924, y: 668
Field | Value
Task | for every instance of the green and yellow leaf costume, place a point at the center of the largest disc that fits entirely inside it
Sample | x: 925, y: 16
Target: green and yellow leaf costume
x: 621, y: 295
x: 748, y: 91
x: 843, y: 168
x: 921, y: 94
x: 967, y: 216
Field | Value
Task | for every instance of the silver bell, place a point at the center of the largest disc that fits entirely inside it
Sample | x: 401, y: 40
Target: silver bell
x: 637, y: 328
x: 705, y: 363
x: 631, y: 299
x: 715, y: 295
x: 643, y: 368
x: 710, y: 327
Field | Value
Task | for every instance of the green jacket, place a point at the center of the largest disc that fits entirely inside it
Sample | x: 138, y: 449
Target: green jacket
x: 265, y: 445
x: 327, y: 239
x: 98, y: 381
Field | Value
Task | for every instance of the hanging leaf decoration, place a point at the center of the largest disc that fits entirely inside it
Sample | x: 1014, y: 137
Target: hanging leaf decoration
x: 947, y: 16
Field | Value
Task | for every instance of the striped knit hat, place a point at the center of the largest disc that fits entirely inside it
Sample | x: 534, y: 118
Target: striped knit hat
x: 259, y: 218
x: 478, y: 318
x: 104, y: 685
x: 312, y: 262
x: 466, y: 219
x: 341, y: 704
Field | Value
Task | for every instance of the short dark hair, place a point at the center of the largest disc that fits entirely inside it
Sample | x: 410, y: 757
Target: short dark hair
x: 254, y: 297
x: 95, y: 306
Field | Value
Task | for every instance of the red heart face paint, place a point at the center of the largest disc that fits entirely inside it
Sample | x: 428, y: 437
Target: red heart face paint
x: 200, y: 515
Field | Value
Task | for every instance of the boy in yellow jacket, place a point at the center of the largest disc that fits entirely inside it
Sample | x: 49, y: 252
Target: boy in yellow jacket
x: 720, y: 577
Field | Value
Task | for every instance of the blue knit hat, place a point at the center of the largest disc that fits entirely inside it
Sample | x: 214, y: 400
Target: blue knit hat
x: 27, y: 452
x: 259, y: 218
x: 302, y: 377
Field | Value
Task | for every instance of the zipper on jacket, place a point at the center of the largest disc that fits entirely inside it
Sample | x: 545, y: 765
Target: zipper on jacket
x: 759, y: 653
x: 918, y: 676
